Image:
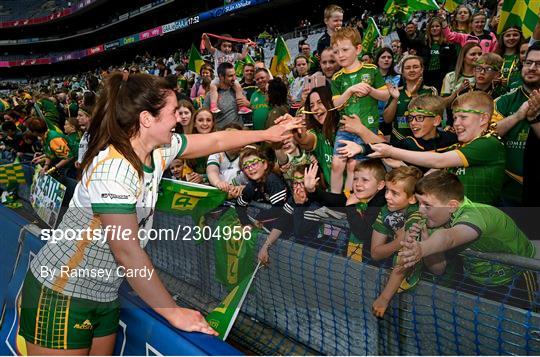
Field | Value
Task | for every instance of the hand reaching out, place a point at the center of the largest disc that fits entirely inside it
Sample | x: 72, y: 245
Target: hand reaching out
x: 349, y: 148
x: 310, y: 177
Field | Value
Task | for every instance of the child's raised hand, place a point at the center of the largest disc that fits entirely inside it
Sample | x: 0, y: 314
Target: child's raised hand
x: 351, y: 124
x: 349, y: 148
x: 361, y: 89
x: 380, y: 150
x: 310, y: 177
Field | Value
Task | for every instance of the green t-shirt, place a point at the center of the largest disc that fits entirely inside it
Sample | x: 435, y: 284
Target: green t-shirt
x: 73, y: 141
x: 73, y: 110
x: 497, y: 233
x: 388, y: 222
x: 259, y: 105
x: 434, y: 59
x: 511, y: 70
x: 323, y: 152
x: 514, y: 142
x: 365, y: 107
x: 482, y: 173
x: 50, y: 113
x: 400, y: 126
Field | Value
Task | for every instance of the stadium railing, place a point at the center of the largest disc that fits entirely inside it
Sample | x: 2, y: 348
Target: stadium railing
x: 312, y: 301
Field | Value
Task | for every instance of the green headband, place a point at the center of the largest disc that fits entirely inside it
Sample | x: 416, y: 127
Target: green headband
x: 463, y: 110
x: 298, y: 178
x: 423, y: 111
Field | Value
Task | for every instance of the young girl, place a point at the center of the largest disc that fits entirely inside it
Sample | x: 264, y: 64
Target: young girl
x: 186, y: 111
x: 83, y: 119
x: 463, y: 75
x: 132, y: 142
x: 179, y: 169
x: 509, y: 46
x: 202, y: 123
x: 225, y: 54
x: 263, y: 186
x: 462, y: 19
x: 202, y: 85
x: 486, y: 39
x: 441, y: 55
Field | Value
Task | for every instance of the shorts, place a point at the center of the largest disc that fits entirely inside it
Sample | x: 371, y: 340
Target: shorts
x: 57, y: 321
x: 344, y: 135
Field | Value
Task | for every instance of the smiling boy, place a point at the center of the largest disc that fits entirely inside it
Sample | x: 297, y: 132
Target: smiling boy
x: 475, y: 226
x: 479, y: 158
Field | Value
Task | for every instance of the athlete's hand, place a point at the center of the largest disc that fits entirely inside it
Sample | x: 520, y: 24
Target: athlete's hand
x: 190, y: 321
x: 283, y: 130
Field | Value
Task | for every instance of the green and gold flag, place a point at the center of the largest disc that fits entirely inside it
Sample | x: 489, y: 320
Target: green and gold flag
x: 235, y: 256
x: 222, y: 317
x: 239, y: 65
x: 398, y: 9
x: 419, y: 5
x: 12, y: 173
x: 371, y: 34
x: 452, y: 5
x: 195, y: 60
x: 281, y: 59
x: 187, y: 198
x: 521, y: 13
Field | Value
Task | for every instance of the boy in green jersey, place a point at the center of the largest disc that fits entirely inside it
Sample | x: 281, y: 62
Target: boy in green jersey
x: 478, y: 159
x: 466, y: 224
x: 394, y: 219
x: 356, y: 89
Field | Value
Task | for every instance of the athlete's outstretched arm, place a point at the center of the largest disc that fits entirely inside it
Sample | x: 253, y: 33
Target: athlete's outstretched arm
x: 199, y: 145
x: 129, y: 254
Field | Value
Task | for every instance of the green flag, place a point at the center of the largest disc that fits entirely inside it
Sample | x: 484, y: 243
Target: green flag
x: 234, y: 257
x: 239, y: 65
x: 281, y: 59
x: 521, y: 13
x: 187, y: 198
x: 418, y: 5
x: 222, y: 317
x: 12, y: 173
x: 452, y: 5
x: 398, y: 9
x: 195, y: 60
x: 371, y: 34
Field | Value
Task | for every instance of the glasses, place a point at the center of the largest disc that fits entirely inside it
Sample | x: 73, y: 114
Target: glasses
x: 298, y: 181
x: 252, y: 164
x: 487, y: 70
x: 418, y: 118
x: 529, y: 63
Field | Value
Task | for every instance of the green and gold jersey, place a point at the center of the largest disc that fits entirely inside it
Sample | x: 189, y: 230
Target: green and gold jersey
x: 56, y: 146
x: 73, y: 141
x: 365, y: 107
x: 389, y: 222
x: 109, y: 185
x: 259, y: 105
x: 323, y: 151
x: 511, y: 70
x: 50, y: 112
x: 400, y: 126
x: 482, y: 173
x: 497, y: 233
x: 514, y: 142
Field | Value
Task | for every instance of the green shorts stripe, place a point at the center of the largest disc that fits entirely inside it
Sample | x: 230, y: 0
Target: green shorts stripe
x: 53, y: 320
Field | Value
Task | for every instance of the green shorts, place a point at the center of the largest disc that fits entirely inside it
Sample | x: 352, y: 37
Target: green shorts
x: 54, y: 320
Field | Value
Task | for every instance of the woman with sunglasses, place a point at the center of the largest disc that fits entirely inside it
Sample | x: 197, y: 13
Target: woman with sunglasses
x: 412, y: 68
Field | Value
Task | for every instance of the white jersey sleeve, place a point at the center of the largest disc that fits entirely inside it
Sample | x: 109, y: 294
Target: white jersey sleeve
x: 176, y: 149
x: 114, y: 187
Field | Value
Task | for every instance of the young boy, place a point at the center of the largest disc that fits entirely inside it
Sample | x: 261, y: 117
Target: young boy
x: 479, y: 159
x: 333, y: 19
x: 424, y: 118
x: 487, y: 75
x: 394, y: 219
x: 361, y: 207
x: 225, y: 54
x: 356, y: 89
x: 466, y: 224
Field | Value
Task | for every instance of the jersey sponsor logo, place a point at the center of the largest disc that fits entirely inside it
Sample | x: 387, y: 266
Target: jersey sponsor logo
x: 114, y: 196
x: 366, y: 78
x: 86, y: 325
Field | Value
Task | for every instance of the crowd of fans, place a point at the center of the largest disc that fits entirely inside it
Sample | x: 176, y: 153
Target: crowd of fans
x: 415, y: 144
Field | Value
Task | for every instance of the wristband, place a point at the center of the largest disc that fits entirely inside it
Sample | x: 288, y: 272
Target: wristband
x: 51, y: 170
x: 366, y: 149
